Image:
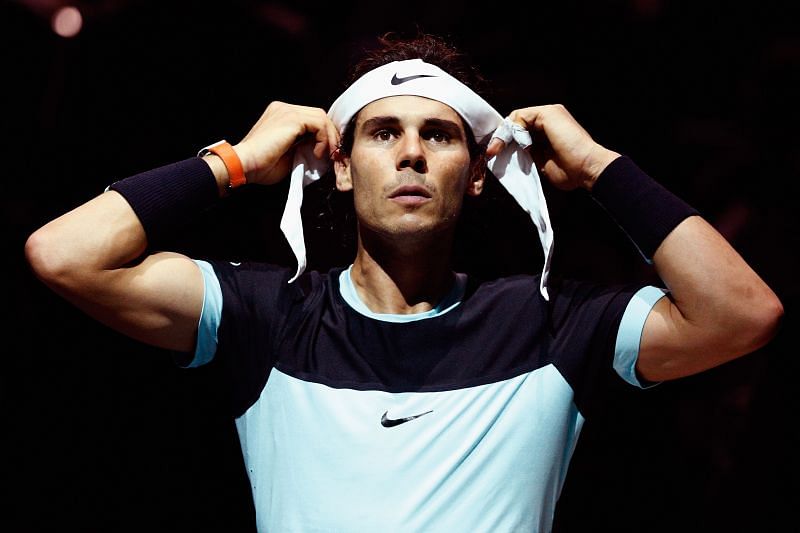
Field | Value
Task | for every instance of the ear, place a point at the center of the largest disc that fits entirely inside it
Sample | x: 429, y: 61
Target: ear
x: 477, y: 176
x: 341, y: 165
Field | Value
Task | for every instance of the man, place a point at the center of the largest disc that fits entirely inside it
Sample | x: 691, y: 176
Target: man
x: 397, y: 394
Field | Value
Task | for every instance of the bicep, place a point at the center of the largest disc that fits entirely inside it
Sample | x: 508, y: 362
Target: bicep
x: 157, y: 301
x: 719, y: 308
x: 673, y: 347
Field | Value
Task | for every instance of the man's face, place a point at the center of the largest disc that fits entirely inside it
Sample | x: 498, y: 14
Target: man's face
x: 409, y: 167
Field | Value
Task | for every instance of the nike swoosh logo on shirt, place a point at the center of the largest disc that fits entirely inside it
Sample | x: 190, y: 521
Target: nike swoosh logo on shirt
x: 391, y: 422
x: 398, y: 81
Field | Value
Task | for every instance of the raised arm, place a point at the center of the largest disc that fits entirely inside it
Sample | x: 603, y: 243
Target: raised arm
x: 92, y: 255
x: 717, y: 309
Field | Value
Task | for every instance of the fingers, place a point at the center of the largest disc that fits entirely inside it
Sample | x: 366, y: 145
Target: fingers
x: 273, y: 139
x: 563, y: 150
x: 526, y: 117
x: 530, y: 118
x: 313, y: 122
x: 495, y: 147
x: 326, y: 138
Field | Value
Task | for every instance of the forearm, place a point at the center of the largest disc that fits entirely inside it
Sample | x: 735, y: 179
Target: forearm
x: 116, y: 227
x: 102, y: 234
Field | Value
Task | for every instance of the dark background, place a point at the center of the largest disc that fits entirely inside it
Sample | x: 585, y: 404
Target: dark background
x: 101, y: 433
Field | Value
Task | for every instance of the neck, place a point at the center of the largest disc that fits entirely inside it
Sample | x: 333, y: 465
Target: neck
x: 412, y: 278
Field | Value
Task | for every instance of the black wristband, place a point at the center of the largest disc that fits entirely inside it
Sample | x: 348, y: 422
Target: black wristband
x: 165, y: 197
x: 645, y: 210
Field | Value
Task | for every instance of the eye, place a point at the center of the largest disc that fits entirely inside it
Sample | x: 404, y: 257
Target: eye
x: 437, y: 136
x: 383, y: 135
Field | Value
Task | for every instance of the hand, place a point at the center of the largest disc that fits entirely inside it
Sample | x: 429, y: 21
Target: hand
x: 563, y: 151
x: 266, y: 151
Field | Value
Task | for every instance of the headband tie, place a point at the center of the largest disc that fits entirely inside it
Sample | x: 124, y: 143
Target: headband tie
x: 513, y: 166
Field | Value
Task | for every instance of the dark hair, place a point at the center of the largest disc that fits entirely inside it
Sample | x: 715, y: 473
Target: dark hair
x: 432, y: 49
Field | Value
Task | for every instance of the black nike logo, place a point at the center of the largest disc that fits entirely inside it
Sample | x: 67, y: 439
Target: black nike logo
x: 398, y: 81
x: 391, y: 422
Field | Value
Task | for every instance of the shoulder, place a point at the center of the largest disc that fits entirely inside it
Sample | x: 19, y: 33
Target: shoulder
x: 521, y: 285
x: 268, y: 282
x: 568, y: 297
x: 587, y: 304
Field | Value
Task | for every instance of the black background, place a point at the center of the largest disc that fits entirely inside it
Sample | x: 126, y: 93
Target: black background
x: 101, y: 433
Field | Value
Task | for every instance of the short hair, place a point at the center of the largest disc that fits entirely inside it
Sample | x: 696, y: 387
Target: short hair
x: 433, y: 49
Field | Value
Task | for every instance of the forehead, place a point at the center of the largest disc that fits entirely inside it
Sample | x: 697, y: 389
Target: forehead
x: 408, y: 109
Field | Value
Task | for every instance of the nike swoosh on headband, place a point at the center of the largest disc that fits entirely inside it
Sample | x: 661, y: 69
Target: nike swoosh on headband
x: 398, y: 81
x: 391, y: 422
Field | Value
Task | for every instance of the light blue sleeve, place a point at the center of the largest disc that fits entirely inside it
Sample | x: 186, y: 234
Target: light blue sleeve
x: 629, y: 335
x: 209, y: 317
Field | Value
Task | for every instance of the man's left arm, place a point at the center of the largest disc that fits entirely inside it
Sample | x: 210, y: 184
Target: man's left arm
x: 717, y: 308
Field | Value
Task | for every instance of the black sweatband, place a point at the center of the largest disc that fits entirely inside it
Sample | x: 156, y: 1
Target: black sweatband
x: 165, y: 197
x: 645, y: 210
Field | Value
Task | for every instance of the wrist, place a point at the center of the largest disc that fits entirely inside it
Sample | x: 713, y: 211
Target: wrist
x: 233, y: 176
x: 247, y: 161
x: 165, y: 198
x: 597, y: 162
x: 645, y: 210
x: 220, y: 172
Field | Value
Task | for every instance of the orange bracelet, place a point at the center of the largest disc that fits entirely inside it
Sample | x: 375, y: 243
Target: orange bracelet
x: 225, y: 151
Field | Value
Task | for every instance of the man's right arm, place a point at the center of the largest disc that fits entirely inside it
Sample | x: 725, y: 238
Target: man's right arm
x: 92, y: 255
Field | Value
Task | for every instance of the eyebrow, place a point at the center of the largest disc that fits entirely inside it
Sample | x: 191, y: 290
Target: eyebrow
x: 449, y: 126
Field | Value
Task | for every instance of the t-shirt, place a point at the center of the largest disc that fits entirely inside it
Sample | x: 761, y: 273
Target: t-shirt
x: 463, y: 418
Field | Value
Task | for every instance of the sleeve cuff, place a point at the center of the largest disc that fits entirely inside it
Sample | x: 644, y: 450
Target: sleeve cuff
x: 629, y: 335
x: 209, y: 318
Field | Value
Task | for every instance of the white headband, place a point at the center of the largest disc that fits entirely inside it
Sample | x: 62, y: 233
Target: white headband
x: 513, y: 167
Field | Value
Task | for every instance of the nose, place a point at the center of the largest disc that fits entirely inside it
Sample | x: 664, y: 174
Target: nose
x: 411, y: 153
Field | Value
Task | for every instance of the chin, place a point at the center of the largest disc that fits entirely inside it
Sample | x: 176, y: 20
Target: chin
x: 420, y: 231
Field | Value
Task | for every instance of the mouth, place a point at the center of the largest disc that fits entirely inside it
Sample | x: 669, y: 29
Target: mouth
x: 410, y: 194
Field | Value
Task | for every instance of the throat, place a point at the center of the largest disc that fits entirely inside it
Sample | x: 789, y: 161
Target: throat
x: 404, y: 275
x: 400, y: 290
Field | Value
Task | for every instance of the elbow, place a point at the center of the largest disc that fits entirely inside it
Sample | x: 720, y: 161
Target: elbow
x: 763, y: 323
x: 44, y: 258
x: 770, y: 319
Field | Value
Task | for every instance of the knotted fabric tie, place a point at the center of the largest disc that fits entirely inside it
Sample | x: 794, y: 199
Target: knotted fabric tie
x: 510, y: 130
x: 513, y: 166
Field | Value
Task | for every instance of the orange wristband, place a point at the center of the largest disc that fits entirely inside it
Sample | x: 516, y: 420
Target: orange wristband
x: 225, y: 151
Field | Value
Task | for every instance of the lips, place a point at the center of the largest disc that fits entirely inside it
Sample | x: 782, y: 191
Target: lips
x: 410, y: 191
